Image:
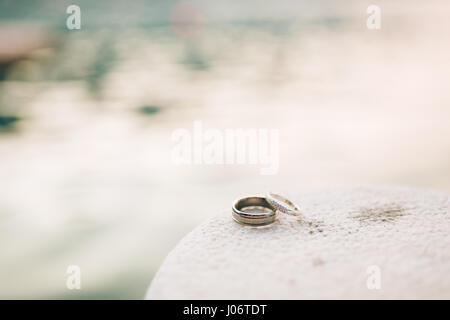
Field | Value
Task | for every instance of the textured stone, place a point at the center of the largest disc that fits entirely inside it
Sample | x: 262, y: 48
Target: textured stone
x: 326, y: 254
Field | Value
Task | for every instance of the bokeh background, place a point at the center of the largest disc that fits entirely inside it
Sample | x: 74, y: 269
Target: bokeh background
x: 86, y: 118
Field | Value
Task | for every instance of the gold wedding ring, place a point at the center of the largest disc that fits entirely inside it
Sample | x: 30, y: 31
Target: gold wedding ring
x: 254, y: 211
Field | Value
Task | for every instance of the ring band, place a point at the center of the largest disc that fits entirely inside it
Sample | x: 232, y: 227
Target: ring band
x: 282, y: 204
x: 255, y: 211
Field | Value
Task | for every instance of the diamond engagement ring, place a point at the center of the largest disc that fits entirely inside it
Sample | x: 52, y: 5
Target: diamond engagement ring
x: 282, y: 204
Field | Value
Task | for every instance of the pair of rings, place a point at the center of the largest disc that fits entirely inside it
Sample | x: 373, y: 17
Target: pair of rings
x: 262, y: 211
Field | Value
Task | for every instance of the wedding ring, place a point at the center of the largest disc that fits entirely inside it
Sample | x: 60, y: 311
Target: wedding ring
x: 282, y: 204
x: 254, y: 211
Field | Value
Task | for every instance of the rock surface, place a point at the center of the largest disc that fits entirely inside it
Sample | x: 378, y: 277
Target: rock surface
x: 329, y: 253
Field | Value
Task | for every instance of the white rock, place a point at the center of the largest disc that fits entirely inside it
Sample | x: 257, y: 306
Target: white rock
x: 404, y: 232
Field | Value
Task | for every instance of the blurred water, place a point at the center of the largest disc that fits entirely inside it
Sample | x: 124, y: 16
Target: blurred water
x: 85, y: 170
